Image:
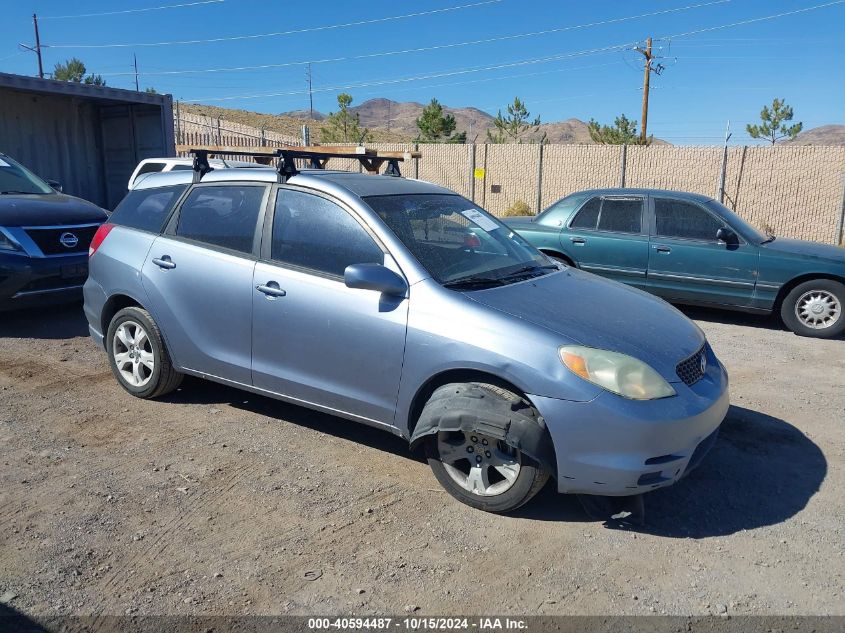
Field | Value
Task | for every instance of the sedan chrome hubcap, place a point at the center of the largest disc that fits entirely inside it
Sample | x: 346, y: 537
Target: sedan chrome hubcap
x: 818, y: 309
x: 479, y: 464
x: 133, y: 353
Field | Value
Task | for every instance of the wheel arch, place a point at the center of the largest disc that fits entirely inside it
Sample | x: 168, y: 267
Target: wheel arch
x: 113, y: 305
x: 424, y: 393
x: 559, y: 255
x: 788, y: 287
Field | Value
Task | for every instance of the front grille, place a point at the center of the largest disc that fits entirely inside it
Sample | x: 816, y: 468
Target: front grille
x: 692, y: 369
x: 49, y: 240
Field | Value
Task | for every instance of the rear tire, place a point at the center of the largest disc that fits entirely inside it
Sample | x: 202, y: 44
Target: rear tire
x: 137, y: 355
x: 815, y: 308
x: 480, y: 470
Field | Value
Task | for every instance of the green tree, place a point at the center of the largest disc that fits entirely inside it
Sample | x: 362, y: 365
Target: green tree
x: 774, y: 123
x: 74, y: 70
x: 150, y: 90
x: 512, y: 128
x: 436, y: 127
x: 622, y: 132
x: 343, y: 126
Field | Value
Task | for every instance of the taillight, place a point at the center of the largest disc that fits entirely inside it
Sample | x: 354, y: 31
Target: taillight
x: 471, y: 240
x: 99, y: 236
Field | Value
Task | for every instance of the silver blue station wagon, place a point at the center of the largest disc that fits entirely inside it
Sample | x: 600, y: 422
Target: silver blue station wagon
x: 402, y: 305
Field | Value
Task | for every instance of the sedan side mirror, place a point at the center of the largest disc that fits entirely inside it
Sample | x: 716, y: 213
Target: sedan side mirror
x: 374, y: 277
x: 727, y: 236
x: 55, y: 184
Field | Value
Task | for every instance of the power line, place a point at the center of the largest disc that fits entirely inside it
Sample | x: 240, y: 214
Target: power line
x: 283, y: 33
x: 488, y: 40
x: 167, y: 6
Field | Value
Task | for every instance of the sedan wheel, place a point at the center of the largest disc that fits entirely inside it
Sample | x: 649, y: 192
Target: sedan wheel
x: 818, y: 309
x: 815, y: 308
x: 133, y: 353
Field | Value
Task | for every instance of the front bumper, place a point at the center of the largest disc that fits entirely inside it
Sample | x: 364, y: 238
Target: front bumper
x: 616, y: 447
x: 35, y: 281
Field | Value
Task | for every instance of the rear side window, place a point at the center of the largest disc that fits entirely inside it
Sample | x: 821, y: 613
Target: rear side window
x: 588, y: 216
x: 621, y: 215
x: 312, y: 232
x: 223, y: 216
x: 148, y: 168
x: 677, y: 218
x: 147, y: 209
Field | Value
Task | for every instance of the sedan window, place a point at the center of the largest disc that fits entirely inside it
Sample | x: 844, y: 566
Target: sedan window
x: 678, y: 218
x: 588, y: 216
x: 621, y: 215
x: 222, y: 216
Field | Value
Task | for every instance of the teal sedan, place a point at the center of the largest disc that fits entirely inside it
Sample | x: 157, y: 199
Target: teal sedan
x: 690, y: 249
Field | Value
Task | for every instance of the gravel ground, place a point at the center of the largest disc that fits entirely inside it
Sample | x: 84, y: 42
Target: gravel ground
x: 215, y: 501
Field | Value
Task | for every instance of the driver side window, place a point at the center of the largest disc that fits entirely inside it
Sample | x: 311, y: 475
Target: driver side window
x: 678, y: 218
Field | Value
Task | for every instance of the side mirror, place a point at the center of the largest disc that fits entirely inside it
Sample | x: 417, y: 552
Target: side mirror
x: 374, y: 277
x: 55, y: 184
x: 727, y: 236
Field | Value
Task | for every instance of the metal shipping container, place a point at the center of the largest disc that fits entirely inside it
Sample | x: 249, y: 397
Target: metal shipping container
x: 89, y: 138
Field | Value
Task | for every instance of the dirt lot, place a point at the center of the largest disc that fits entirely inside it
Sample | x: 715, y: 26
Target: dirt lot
x: 215, y: 501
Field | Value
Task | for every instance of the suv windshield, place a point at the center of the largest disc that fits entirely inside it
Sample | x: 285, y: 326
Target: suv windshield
x: 460, y: 244
x: 15, y: 178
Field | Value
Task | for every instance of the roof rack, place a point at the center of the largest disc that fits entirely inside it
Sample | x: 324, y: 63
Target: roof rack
x: 316, y: 156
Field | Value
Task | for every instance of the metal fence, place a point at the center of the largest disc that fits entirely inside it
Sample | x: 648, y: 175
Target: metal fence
x: 794, y: 191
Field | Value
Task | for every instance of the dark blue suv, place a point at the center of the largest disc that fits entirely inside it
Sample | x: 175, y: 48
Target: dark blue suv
x: 44, y: 239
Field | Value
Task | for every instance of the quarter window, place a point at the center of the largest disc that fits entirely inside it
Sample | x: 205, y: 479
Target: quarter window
x: 222, y: 216
x: 147, y: 209
x: 312, y: 232
x: 677, y: 218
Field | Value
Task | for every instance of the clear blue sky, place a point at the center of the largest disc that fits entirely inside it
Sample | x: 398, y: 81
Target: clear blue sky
x: 709, y: 77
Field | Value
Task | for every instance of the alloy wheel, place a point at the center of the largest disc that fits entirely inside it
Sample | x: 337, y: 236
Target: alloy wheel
x: 818, y: 309
x: 479, y: 464
x: 133, y: 353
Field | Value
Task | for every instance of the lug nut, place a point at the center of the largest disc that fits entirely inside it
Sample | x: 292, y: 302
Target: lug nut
x: 478, y: 459
x: 470, y: 449
x: 473, y: 438
x: 487, y: 453
x: 484, y: 442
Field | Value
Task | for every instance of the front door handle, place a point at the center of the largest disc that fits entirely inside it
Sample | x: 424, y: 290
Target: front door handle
x: 164, y: 262
x: 577, y: 240
x: 271, y: 289
x: 663, y: 249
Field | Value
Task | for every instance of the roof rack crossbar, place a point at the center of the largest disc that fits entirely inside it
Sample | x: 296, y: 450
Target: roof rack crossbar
x: 317, y: 157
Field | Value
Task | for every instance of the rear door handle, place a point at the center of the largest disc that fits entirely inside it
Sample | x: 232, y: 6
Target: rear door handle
x: 663, y: 249
x: 577, y: 240
x: 164, y: 262
x: 271, y: 289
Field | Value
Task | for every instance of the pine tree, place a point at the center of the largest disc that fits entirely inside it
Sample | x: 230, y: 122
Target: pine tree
x: 74, y: 70
x: 622, y: 132
x: 342, y: 126
x: 435, y: 127
x: 773, y: 127
x: 511, y: 128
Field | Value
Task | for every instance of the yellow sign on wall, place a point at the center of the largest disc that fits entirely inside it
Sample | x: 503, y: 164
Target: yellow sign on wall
x: 479, y: 173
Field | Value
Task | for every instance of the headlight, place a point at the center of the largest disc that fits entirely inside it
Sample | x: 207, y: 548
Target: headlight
x: 621, y: 374
x: 6, y: 244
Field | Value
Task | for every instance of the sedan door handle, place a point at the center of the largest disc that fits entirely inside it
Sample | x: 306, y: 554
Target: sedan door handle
x: 578, y: 240
x: 164, y: 262
x: 663, y: 249
x: 271, y: 289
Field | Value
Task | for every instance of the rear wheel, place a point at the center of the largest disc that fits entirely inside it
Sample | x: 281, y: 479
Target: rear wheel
x: 137, y: 355
x: 815, y: 308
x: 483, y: 471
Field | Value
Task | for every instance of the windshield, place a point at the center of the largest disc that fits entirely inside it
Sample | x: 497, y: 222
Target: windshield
x: 748, y: 230
x: 559, y: 212
x: 15, y: 178
x: 460, y: 244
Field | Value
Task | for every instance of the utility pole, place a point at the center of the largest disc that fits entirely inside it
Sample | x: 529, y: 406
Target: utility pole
x: 310, y: 95
x: 135, y: 58
x: 649, y: 68
x: 37, y: 48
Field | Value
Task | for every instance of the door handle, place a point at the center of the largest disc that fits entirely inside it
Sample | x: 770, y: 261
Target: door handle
x: 271, y: 289
x: 164, y: 262
x: 663, y: 249
x: 578, y: 240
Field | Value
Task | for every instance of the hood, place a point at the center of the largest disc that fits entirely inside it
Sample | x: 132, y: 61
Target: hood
x: 47, y: 209
x: 808, y: 249
x: 590, y: 310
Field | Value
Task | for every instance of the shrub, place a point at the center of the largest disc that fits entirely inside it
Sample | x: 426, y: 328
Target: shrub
x: 516, y: 209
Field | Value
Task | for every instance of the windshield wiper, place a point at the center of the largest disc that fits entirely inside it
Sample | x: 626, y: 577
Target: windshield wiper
x: 3, y: 193
x: 472, y: 282
x: 529, y: 269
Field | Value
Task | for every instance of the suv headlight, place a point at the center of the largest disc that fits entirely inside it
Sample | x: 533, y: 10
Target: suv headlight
x: 6, y: 243
x: 618, y: 373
